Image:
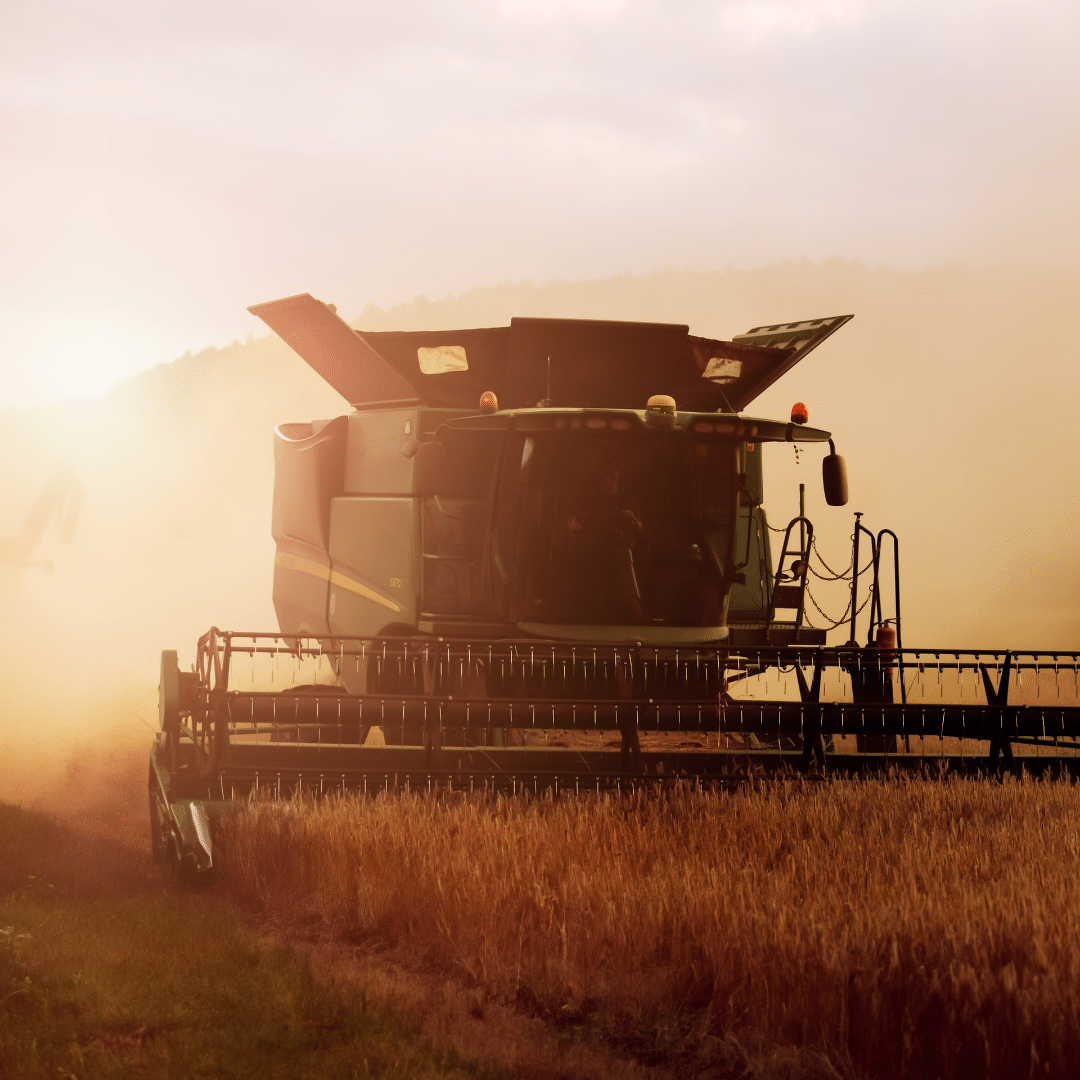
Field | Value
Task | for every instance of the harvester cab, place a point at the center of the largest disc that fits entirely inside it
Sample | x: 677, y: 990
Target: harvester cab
x: 609, y: 489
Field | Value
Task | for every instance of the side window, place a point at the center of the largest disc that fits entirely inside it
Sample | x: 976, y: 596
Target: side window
x: 455, y: 522
x: 505, y: 532
x: 751, y: 599
x: 468, y: 462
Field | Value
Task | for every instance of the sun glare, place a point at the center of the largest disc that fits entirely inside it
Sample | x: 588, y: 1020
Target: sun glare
x: 59, y: 355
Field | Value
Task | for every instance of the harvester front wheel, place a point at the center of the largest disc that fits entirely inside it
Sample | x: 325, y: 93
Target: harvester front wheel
x: 187, y: 875
x: 162, y: 840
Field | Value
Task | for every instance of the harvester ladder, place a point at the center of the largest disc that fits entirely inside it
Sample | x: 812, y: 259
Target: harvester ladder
x: 789, y: 584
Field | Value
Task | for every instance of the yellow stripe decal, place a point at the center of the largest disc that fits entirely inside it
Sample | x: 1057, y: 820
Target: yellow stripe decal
x: 361, y: 590
x: 335, y: 577
x: 305, y: 566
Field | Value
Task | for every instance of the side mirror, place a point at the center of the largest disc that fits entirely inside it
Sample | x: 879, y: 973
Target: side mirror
x: 834, y: 478
x: 427, y: 469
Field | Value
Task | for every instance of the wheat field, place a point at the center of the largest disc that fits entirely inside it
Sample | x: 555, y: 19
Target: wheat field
x: 886, y: 928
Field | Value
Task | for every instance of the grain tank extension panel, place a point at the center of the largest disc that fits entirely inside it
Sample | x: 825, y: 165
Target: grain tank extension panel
x: 573, y: 363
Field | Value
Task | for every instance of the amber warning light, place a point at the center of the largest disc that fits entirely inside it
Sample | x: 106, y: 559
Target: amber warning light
x: 799, y: 415
x: 489, y: 403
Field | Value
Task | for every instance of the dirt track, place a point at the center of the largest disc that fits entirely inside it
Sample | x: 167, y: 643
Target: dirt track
x: 90, y: 843
x: 99, y: 828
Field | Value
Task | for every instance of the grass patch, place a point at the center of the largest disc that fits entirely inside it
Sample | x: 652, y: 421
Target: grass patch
x: 96, y: 982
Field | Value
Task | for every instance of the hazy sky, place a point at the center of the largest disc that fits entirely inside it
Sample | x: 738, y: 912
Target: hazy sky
x: 166, y: 164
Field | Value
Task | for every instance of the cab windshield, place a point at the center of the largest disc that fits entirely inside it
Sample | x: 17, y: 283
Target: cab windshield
x: 621, y: 529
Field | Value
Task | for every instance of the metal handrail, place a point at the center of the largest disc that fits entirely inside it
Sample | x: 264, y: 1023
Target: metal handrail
x: 861, y: 528
x: 896, y: 597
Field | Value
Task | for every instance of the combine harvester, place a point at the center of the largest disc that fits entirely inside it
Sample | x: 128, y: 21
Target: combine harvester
x: 536, y: 557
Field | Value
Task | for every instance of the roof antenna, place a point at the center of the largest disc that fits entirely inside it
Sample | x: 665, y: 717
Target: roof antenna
x: 547, y: 402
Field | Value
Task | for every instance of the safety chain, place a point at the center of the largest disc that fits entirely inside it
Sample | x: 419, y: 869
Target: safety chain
x: 843, y: 618
x: 842, y: 576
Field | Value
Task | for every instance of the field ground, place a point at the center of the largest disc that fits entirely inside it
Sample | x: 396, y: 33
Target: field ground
x: 103, y: 973
x: 106, y: 970
x: 896, y: 928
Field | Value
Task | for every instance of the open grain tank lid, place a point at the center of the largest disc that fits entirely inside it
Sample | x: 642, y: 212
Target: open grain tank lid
x: 563, y: 362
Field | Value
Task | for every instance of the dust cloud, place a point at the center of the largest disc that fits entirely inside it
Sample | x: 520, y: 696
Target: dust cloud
x: 951, y: 395
x: 173, y: 537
